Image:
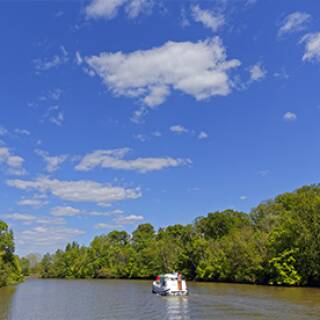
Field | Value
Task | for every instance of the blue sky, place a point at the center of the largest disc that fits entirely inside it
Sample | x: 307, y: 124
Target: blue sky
x: 118, y: 112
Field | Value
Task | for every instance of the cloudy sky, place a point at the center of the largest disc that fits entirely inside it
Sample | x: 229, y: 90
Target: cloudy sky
x: 118, y: 112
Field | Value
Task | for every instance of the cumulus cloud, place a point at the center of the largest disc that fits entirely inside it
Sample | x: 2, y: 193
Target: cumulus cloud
x: 208, y: 18
x: 199, y: 69
x: 78, y: 191
x: 13, y: 163
x: 178, y: 129
x: 114, y: 159
x: 312, y: 47
x: 109, y: 9
x: 53, y: 162
x: 290, y: 117
x: 257, y: 72
x: 294, y: 22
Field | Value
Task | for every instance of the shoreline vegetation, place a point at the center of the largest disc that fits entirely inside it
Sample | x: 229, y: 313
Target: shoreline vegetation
x: 277, y: 243
x: 10, y: 267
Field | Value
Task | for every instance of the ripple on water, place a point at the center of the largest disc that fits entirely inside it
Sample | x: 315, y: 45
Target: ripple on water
x: 133, y: 300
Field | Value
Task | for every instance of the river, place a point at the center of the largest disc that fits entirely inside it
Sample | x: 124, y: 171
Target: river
x: 133, y: 300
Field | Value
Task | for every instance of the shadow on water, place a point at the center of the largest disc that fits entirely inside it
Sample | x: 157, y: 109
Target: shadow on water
x: 6, y: 298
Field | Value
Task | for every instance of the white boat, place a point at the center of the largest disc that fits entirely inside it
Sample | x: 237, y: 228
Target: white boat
x: 170, y: 284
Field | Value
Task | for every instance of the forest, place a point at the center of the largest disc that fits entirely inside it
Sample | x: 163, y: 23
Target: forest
x: 277, y: 243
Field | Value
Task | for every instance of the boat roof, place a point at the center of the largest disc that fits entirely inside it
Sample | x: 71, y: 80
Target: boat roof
x: 169, y: 275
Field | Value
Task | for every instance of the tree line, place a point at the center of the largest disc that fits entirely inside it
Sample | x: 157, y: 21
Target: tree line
x: 277, y: 243
x: 10, y: 267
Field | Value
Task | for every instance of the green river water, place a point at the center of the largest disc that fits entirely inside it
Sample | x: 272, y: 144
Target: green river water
x: 133, y: 300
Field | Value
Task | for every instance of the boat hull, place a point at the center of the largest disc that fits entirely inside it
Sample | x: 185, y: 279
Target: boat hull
x: 168, y: 292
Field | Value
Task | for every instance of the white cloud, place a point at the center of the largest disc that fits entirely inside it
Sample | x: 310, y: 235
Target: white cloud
x: 54, y: 115
x: 53, y: 162
x: 257, y: 72
x: 281, y: 74
x: 294, y: 22
x: 120, y: 221
x: 20, y: 217
x: 103, y: 225
x: 109, y: 9
x: 47, y: 236
x: 184, y: 21
x: 208, y: 18
x: 312, y: 47
x: 102, y: 214
x: 202, y: 135
x: 178, y: 129
x: 3, y: 131
x: 156, y: 133
x: 141, y: 137
x: 263, y: 173
x: 68, y: 211
x: 13, y: 162
x: 29, y: 219
x: 113, y: 159
x: 78, y: 191
x: 54, y: 95
x: 55, y: 61
x: 130, y: 219
x: 33, y: 202
x: 199, y: 69
x: 65, y: 211
x: 243, y: 198
x: 290, y: 116
x: 50, y: 221
x: 57, y: 119
x: 79, y: 59
x: 22, y: 132
x: 136, y: 7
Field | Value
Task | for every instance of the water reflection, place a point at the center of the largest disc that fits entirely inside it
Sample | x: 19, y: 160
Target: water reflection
x: 177, y: 308
x: 6, y: 297
x: 122, y: 300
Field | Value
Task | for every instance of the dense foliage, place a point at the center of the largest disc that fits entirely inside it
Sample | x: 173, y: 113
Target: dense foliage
x: 10, y: 270
x: 277, y: 243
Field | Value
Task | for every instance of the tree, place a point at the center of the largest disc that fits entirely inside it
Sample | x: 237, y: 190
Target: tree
x: 10, y: 269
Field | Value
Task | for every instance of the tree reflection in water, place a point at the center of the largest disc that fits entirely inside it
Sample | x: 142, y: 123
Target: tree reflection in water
x: 6, y: 298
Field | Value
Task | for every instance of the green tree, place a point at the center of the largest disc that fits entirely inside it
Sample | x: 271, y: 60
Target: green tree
x: 10, y: 269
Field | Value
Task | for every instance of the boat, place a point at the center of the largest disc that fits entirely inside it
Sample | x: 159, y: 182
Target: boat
x: 170, y: 284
